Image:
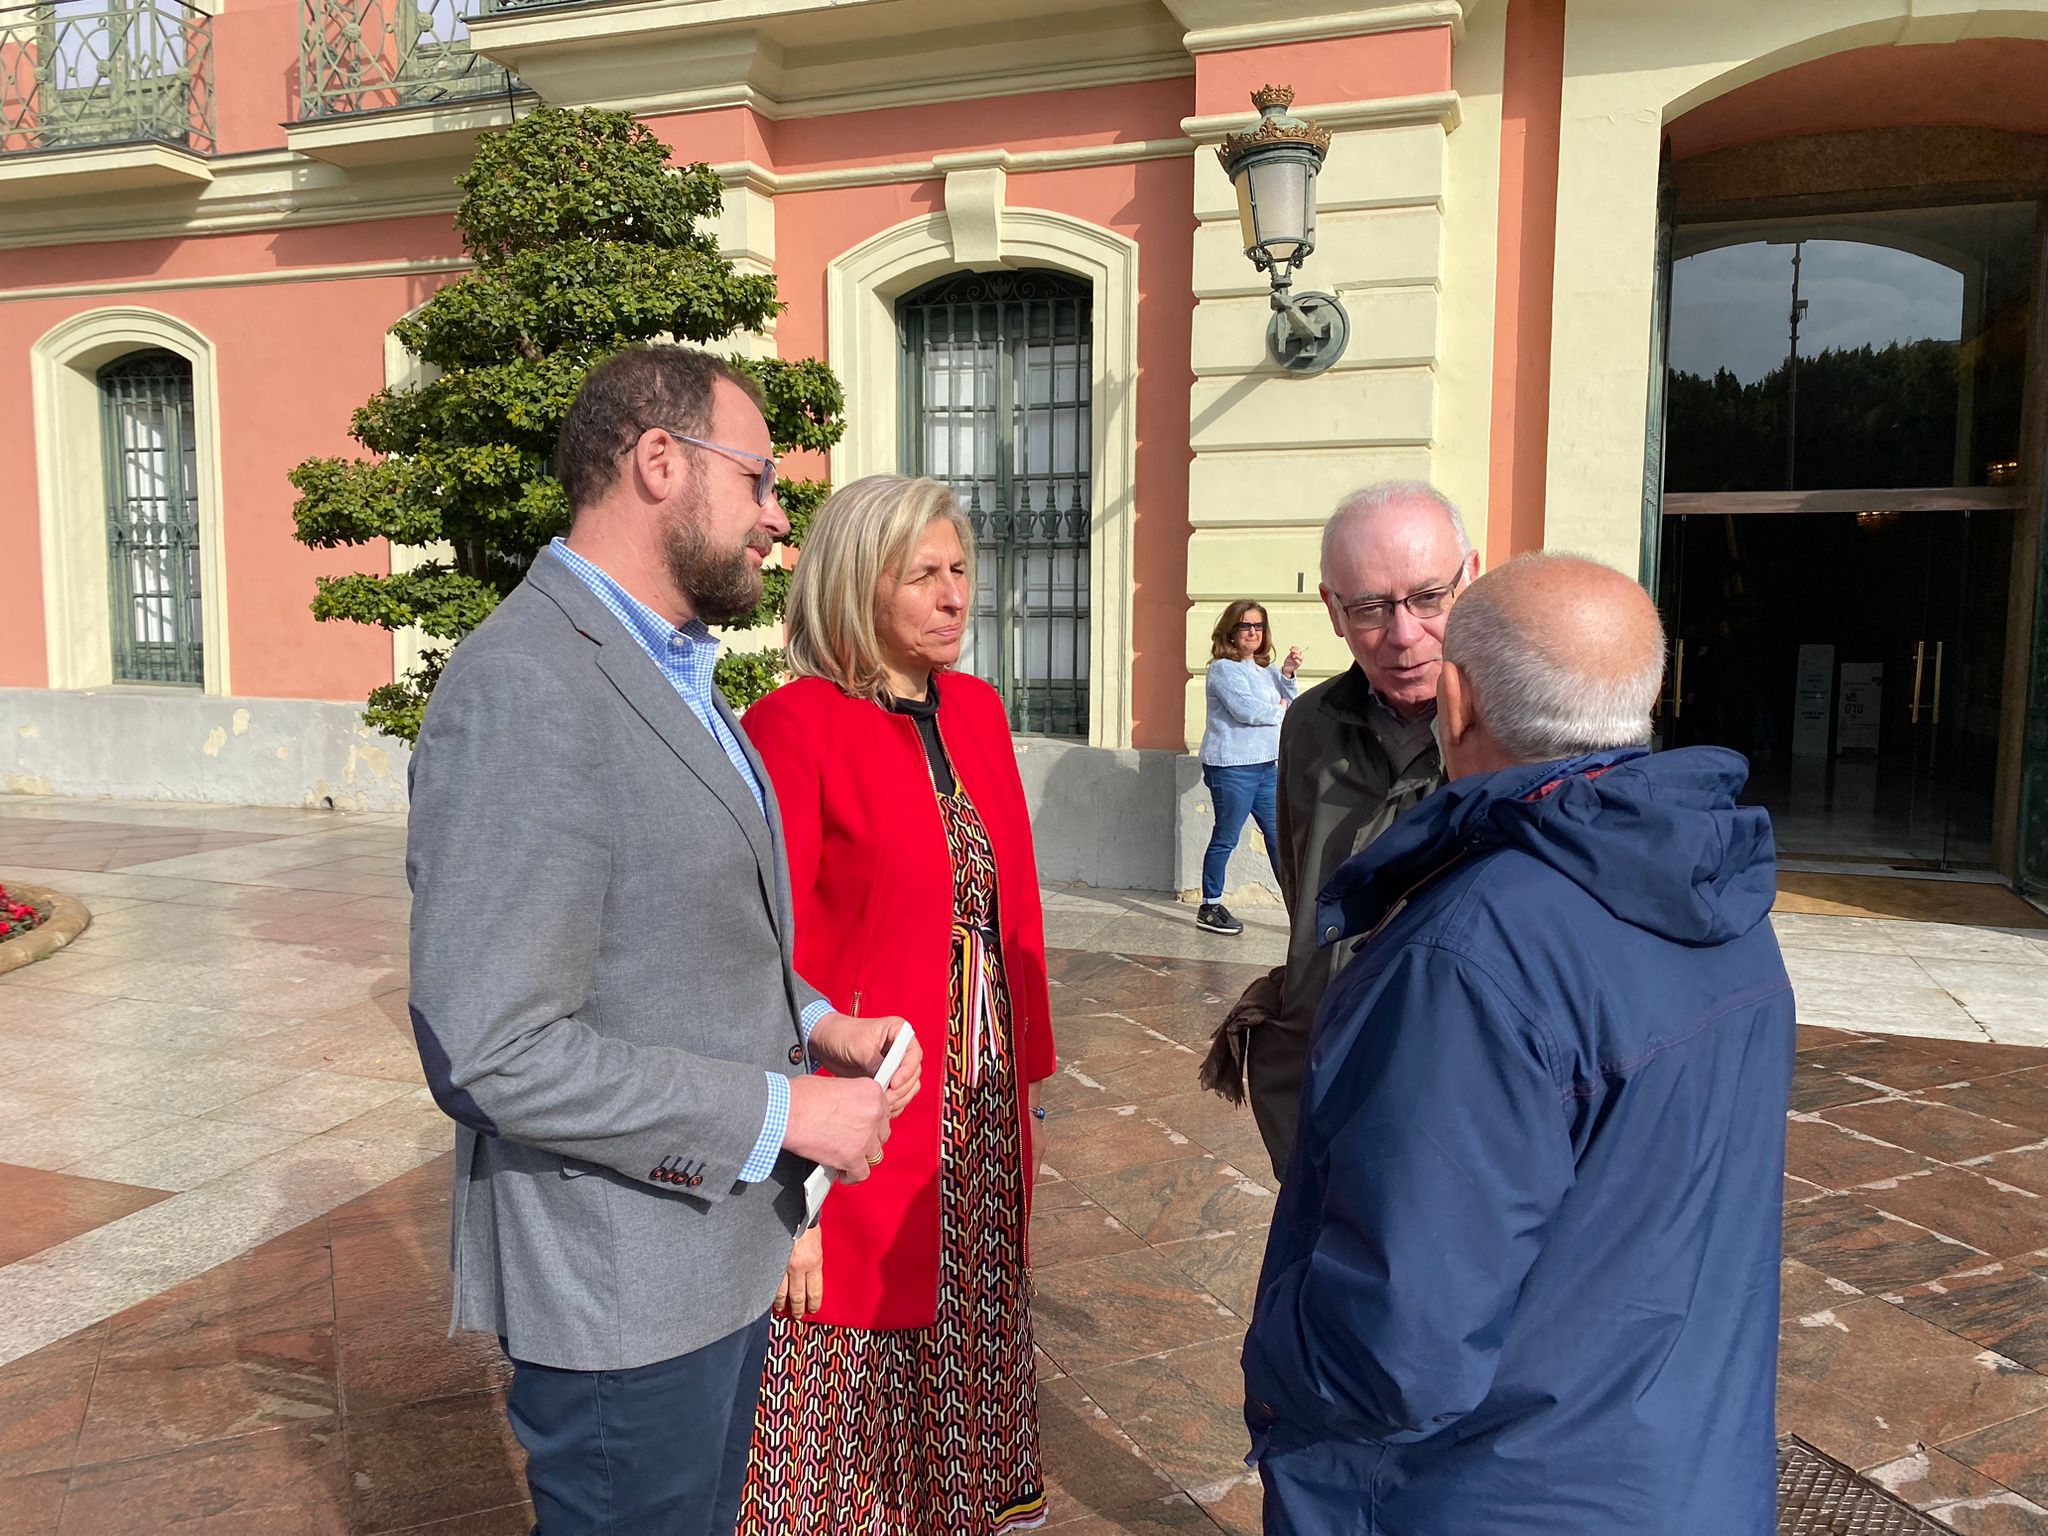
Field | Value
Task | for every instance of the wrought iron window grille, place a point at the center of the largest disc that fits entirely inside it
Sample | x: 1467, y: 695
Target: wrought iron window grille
x: 151, y: 465
x: 998, y: 405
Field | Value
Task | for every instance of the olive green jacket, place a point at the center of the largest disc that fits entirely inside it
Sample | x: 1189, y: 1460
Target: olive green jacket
x: 1348, y: 767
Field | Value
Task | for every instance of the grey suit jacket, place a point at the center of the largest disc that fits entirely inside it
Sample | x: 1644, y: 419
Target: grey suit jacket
x: 601, y: 975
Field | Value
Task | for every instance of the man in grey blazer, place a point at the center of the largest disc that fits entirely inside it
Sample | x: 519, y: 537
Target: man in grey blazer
x: 602, y: 989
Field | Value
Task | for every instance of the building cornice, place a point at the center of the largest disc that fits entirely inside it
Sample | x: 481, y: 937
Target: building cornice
x: 424, y: 266
x: 1353, y: 23
x: 275, y: 189
x: 1010, y: 82
x: 1440, y: 107
x: 1006, y: 82
x: 775, y: 183
x: 281, y: 190
x: 656, y: 56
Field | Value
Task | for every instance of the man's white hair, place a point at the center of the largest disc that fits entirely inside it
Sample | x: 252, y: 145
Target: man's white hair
x: 1541, y: 702
x: 1372, y: 499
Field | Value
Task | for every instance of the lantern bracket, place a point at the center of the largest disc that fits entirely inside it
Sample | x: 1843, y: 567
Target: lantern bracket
x: 1282, y: 155
x: 1308, y: 331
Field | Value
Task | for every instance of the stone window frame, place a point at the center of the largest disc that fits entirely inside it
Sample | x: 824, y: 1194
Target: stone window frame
x: 978, y: 233
x: 71, y: 493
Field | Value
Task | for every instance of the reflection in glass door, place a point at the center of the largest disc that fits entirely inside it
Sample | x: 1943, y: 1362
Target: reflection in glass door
x: 1959, y: 672
x: 1875, y: 351
x: 1857, y: 661
x: 1839, y: 504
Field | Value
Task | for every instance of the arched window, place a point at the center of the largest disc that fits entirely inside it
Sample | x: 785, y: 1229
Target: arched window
x: 997, y: 403
x: 149, y: 447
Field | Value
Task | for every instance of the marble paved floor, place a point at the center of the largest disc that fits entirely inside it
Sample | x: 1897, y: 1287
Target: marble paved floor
x: 222, y: 1205
x: 1932, y: 958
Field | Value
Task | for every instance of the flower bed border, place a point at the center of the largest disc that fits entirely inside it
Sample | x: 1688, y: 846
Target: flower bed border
x: 67, y: 920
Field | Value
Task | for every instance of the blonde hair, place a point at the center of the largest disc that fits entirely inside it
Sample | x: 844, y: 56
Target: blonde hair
x: 864, y: 531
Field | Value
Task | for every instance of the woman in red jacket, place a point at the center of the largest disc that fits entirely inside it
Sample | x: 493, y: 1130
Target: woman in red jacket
x: 900, y: 1398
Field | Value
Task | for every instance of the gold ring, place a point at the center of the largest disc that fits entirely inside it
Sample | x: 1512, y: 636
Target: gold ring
x: 875, y: 1161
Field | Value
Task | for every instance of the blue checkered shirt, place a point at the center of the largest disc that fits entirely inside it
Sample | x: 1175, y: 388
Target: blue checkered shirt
x: 686, y: 657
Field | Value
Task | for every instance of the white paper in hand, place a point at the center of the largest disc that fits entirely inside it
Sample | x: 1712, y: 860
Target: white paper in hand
x: 819, y: 1184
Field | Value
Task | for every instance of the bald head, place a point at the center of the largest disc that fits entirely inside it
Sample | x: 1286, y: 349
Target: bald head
x: 1550, y: 656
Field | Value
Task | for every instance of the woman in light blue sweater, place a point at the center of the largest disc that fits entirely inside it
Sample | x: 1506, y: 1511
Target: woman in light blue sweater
x: 1248, y: 695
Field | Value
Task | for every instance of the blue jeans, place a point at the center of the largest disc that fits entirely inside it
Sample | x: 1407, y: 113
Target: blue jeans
x: 656, y: 1451
x: 1246, y: 789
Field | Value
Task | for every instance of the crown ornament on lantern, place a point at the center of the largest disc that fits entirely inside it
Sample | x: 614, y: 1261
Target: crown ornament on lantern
x: 1274, y: 127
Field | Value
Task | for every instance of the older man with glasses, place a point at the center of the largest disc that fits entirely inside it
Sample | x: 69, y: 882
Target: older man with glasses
x: 1355, y: 752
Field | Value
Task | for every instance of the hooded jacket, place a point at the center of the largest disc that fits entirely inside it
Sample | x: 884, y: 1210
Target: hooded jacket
x: 1523, y: 1271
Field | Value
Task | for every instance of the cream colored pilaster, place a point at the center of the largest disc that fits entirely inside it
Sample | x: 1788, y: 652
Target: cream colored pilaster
x: 746, y: 238
x: 1463, y: 458
x: 1273, y: 454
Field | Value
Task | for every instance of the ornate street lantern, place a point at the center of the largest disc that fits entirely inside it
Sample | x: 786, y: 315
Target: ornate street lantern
x: 1274, y: 169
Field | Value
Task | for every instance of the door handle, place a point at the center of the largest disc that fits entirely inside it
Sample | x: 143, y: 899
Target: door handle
x: 1919, y: 658
x: 1678, y: 684
x: 1937, y: 680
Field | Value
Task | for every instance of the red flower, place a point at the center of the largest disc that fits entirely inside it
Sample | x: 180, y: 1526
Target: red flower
x: 15, y: 916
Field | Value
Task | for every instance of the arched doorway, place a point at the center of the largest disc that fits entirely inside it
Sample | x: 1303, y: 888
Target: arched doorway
x: 1847, y: 538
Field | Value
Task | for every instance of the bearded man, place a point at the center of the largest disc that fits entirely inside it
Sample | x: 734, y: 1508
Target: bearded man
x: 602, y: 988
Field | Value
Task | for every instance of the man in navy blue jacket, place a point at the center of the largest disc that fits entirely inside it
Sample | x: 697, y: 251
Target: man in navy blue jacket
x: 1523, y: 1276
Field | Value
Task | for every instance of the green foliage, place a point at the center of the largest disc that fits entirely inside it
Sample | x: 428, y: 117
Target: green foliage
x: 397, y: 708
x: 744, y: 676
x: 585, y: 240
x: 1868, y: 416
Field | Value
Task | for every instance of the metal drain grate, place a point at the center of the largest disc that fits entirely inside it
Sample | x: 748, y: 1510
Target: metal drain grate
x: 1818, y: 1496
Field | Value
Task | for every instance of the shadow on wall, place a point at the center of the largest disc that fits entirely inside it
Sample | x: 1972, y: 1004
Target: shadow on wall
x: 178, y: 745
x: 1129, y: 820
x: 1249, y: 879
x: 1100, y: 816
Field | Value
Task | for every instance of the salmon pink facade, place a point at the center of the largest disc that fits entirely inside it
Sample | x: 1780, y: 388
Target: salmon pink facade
x: 1006, y: 228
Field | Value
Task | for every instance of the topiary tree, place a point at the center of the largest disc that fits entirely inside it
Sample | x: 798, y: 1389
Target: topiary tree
x: 585, y: 239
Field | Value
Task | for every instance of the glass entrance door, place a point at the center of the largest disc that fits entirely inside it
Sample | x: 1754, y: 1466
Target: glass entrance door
x: 1857, y: 660
x: 1960, y: 667
x: 1841, y: 484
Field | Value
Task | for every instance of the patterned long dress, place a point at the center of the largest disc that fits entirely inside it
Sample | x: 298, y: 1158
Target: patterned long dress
x: 926, y: 1431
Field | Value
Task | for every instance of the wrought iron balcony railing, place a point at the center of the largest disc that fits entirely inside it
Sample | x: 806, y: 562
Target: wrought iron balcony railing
x: 500, y: 7
x: 78, y: 74
x: 375, y: 55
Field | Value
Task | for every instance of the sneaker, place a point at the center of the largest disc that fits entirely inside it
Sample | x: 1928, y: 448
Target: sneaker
x: 1216, y: 917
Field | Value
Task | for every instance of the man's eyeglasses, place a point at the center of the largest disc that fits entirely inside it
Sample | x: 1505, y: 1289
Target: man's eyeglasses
x: 764, y: 477
x: 1378, y: 612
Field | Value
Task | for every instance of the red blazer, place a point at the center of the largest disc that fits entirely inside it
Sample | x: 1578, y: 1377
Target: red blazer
x: 872, y: 887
